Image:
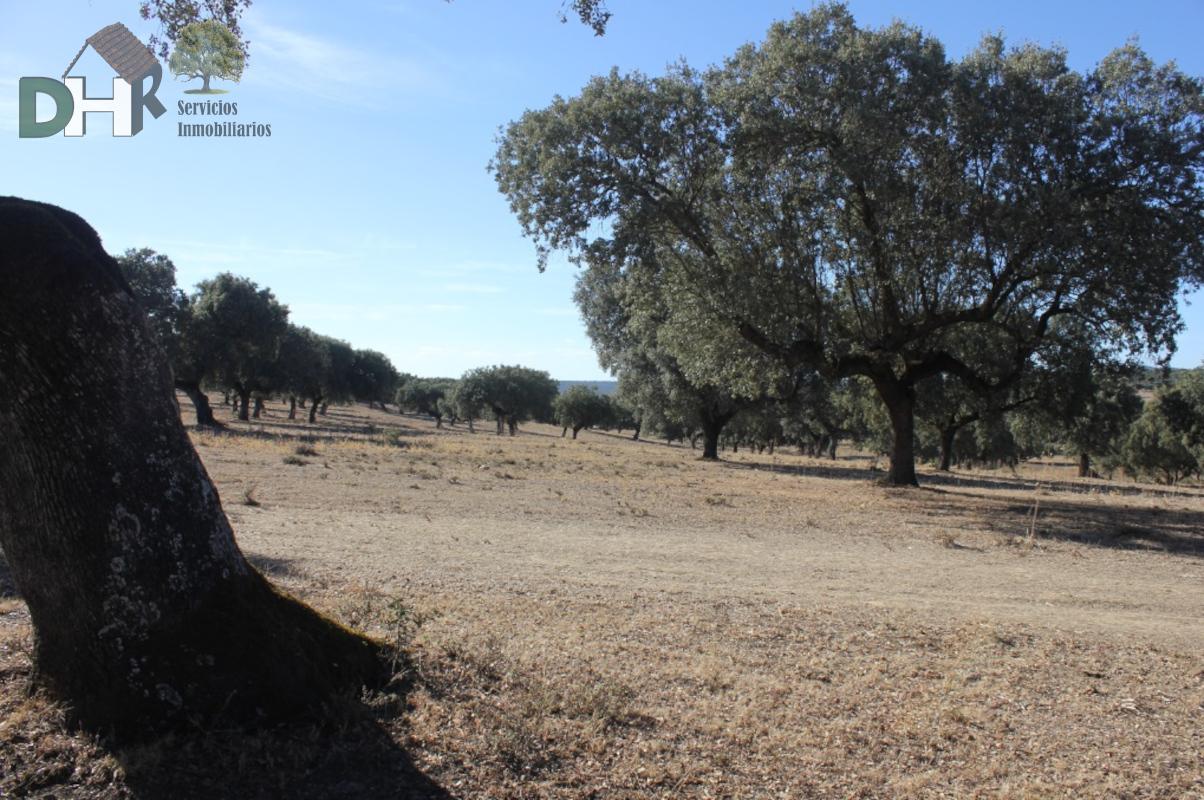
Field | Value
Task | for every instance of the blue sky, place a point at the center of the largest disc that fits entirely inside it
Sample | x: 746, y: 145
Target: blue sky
x: 369, y: 210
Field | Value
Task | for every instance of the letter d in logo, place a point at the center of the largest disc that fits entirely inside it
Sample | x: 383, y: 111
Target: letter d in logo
x: 64, y: 107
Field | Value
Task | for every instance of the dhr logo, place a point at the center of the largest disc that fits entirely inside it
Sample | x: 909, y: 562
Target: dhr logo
x: 130, y: 59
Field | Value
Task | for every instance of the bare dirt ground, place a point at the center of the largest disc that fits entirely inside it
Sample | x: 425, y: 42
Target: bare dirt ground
x: 608, y: 618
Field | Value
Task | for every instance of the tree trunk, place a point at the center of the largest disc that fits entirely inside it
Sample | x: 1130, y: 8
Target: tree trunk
x: 833, y: 443
x: 145, y: 613
x: 900, y: 400
x: 564, y: 431
x: 258, y: 407
x: 635, y: 436
x: 470, y: 428
x: 711, y: 428
x: 575, y: 431
x: 322, y: 411
x: 512, y: 424
x: 947, y: 436
x: 205, y: 84
x: 313, y: 410
x: 1084, y: 465
x: 200, y: 401
x: 292, y: 407
x: 244, y: 405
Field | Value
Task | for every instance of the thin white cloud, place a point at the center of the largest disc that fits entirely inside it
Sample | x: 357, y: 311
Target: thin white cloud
x: 473, y: 288
x: 333, y: 70
x: 373, y: 312
x: 471, y: 268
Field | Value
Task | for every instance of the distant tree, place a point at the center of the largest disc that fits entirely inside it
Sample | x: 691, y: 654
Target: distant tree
x: 207, y: 50
x: 338, y: 385
x: 1155, y: 448
x: 1167, y: 440
x: 620, y: 416
x: 241, y: 327
x: 850, y: 200
x: 469, y: 401
x: 627, y: 318
x: 426, y: 396
x: 152, y: 277
x: 374, y: 378
x: 580, y: 407
x: 512, y: 393
x: 301, y: 368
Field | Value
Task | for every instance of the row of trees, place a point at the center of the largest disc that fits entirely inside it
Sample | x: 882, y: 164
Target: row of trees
x: 235, y: 336
x: 846, y: 210
x: 232, y: 335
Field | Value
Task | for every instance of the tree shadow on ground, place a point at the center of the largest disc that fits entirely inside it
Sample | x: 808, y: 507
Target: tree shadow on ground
x: 962, y: 480
x: 353, y: 757
x: 1173, y: 531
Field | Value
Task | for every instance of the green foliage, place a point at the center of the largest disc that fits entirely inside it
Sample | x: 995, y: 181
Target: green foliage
x: 427, y: 396
x: 374, y: 379
x: 152, y: 277
x: 580, y: 407
x: 302, y: 364
x: 239, y: 326
x: 1167, y: 441
x: 851, y: 201
x: 207, y: 50
x: 512, y: 393
x: 174, y: 16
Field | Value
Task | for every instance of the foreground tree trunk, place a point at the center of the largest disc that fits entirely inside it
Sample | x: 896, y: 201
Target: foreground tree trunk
x: 200, y: 402
x: 1084, y: 465
x: 145, y: 613
x: 313, y: 410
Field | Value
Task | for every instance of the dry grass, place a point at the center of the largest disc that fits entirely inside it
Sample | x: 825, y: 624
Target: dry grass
x: 603, y: 618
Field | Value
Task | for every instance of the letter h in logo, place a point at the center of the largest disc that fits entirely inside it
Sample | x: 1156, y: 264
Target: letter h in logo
x: 133, y: 63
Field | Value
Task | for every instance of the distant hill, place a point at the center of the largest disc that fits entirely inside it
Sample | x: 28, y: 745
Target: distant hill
x: 602, y: 387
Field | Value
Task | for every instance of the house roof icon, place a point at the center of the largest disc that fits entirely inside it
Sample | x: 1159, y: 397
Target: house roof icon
x: 121, y: 50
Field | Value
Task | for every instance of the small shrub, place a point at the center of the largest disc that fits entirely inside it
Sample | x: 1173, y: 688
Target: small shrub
x: 294, y: 461
x: 306, y: 450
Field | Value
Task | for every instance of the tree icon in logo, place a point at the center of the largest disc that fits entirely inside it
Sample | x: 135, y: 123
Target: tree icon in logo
x: 207, y: 50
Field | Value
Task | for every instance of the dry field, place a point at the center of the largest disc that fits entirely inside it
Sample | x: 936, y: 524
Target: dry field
x: 611, y: 619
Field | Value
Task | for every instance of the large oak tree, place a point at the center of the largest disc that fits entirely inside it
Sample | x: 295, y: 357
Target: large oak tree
x: 854, y: 201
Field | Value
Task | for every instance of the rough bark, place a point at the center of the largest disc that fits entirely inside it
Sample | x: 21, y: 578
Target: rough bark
x: 1084, y: 465
x: 313, y: 409
x: 292, y: 408
x: 145, y: 613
